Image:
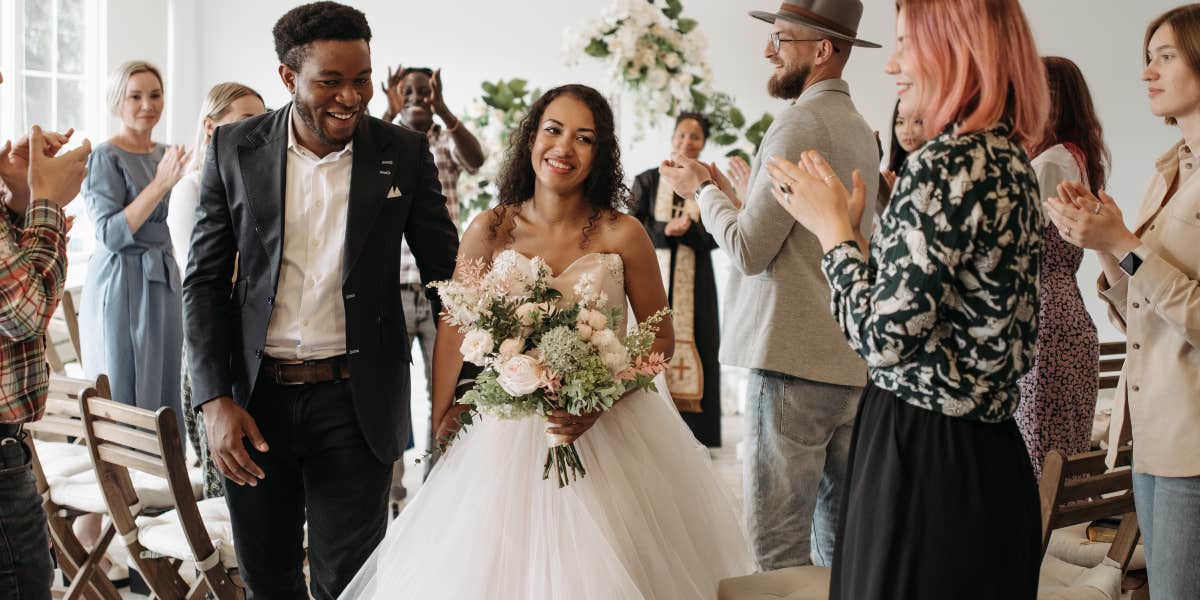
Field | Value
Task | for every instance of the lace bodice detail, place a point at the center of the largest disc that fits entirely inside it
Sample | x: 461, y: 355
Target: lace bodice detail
x: 607, y: 271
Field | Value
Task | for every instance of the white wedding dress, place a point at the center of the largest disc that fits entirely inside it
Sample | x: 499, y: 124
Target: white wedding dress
x: 650, y: 520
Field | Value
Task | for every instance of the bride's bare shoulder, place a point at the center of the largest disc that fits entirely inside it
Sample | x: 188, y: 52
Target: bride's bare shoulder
x: 483, y: 236
x: 619, y: 232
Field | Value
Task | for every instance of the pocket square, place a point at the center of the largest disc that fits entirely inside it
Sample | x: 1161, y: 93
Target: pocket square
x: 394, y: 193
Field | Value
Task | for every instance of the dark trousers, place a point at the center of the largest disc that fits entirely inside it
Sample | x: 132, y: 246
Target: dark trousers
x: 318, y: 465
x: 25, y: 570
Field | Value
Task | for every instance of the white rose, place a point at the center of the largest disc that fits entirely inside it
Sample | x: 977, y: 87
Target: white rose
x: 511, y: 347
x: 658, y: 78
x: 476, y: 345
x: 585, y: 331
x: 519, y: 375
x: 672, y: 61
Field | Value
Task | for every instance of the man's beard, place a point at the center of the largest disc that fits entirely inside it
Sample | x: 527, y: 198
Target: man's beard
x: 789, y: 84
x: 310, y: 121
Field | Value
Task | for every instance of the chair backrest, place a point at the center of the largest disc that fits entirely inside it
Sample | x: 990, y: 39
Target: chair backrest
x: 1112, y: 360
x: 1080, y: 489
x: 62, y: 336
x: 122, y: 438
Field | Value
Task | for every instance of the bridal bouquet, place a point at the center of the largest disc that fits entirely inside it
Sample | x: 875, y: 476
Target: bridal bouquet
x: 539, y: 354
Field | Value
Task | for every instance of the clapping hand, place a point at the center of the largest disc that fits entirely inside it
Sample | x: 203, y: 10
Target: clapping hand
x: 739, y: 174
x: 683, y: 174
x: 391, y: 89
x: 1090, y: 222
x: 14, y: 161
x: 812, y: 193
x: 437, y: 101
x: 173, y: 166
x: 55, y: 178
x: 678, y: 226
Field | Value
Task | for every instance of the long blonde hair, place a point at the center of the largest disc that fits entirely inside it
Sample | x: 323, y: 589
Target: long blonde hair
x: 118, y: 81
x: 215, y: 106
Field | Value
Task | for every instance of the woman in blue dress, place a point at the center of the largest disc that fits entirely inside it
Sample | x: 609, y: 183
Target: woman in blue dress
x: 131, y: 319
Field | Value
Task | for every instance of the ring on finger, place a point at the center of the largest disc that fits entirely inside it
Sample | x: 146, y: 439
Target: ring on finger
x: 1068, y: 230
x: 786, y: 188
x: 1096, y: 209
x: 828, y: 177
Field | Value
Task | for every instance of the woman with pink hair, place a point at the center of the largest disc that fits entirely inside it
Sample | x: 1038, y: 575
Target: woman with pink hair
x: 940, y: 498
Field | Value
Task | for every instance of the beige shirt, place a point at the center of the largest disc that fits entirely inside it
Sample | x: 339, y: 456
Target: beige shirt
x: 309, y: 320
x: 1158, y: 396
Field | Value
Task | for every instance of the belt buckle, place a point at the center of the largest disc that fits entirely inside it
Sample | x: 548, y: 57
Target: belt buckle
x: 279, y: 379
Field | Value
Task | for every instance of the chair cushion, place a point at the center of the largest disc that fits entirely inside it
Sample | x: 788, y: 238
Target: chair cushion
x: 793, y: 583
x: 1071, y: 545
x: 81, y: 491
x: 1059, y: 580
x: 164, y: 534
x: 60, y: 459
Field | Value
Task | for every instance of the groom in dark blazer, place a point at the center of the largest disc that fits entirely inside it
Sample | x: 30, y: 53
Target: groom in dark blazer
x: 300, y: 360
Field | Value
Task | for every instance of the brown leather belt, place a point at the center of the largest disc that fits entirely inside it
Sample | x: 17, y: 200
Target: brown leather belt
x: 304, y: 372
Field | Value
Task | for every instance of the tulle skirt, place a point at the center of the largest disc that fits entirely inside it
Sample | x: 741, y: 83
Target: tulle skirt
x: 650, y: 520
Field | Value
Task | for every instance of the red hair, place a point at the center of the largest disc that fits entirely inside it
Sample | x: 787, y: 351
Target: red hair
x: 980, y: 66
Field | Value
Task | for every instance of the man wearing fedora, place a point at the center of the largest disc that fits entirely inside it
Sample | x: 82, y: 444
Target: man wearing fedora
x: 804, y: 382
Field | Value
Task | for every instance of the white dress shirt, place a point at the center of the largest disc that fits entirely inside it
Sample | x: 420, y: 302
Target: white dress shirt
x: 309, y: 319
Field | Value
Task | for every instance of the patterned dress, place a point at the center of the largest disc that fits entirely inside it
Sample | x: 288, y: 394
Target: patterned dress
x: 1058, y: 396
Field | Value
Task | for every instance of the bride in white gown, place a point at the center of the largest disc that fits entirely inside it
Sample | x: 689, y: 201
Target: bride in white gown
x: 651, y: 519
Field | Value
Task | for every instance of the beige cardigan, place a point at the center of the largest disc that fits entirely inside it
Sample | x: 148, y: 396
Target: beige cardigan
x: 1158, y: 396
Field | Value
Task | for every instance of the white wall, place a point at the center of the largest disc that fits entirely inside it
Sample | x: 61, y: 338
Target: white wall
x: 220, y: 40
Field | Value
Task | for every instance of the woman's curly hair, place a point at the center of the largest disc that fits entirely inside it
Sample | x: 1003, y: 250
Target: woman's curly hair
x: 604, y: 189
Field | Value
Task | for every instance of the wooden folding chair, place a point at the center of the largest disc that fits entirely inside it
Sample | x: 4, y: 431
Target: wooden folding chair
x: 63, y: 420
x: 122, y: 438
x: 62, y: 336
x: 1080, y: 489
x: 1112, y: 360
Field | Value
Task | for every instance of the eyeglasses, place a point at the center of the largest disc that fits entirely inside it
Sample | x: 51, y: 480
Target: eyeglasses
x: 777, y: 41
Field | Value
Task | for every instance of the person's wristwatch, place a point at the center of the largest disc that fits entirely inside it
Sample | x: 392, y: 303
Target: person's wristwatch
x: 1130, y: 263
x: 703, y: 186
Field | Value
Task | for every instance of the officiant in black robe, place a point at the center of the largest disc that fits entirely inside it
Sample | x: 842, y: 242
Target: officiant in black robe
x: 684, y: 251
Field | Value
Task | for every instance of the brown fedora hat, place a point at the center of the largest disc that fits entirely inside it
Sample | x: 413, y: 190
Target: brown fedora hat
x: 836, y: 18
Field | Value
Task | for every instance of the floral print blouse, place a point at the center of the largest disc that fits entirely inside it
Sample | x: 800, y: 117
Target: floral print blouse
x: 945, y: 309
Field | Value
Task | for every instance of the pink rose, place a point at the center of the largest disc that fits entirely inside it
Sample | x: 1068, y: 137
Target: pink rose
x: 520, y: 375
x: 585, y: 331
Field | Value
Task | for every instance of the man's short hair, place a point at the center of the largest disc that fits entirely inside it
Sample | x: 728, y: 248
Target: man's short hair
x: 308, y: 23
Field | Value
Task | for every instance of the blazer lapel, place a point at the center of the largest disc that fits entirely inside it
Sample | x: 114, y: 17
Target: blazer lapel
x: 370, y: 181
x: 263, y: 160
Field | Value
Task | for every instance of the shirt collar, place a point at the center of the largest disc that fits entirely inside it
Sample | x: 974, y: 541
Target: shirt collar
x: 825, y: 85
x: 294, y: 146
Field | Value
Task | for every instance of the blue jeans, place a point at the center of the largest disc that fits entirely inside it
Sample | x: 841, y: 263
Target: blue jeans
x: 1169, y: 516
x: 25, y: 570
x: 797, y: 451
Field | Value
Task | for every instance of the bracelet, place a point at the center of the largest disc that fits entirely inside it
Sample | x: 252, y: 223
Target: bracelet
x: 457, y: 124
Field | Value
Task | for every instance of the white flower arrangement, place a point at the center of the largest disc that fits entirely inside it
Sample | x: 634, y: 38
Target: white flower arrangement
x: 660, y: 60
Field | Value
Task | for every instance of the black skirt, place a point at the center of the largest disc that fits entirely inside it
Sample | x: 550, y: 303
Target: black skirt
x: 935, y: 507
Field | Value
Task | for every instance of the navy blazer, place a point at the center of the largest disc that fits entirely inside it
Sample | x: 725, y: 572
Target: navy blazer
x: 242, y: 204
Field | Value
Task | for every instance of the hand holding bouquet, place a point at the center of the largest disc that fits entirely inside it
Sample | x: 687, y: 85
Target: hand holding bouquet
x: 541, y: 354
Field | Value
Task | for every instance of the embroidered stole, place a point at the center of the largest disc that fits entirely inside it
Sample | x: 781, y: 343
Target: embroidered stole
x: 685, y: 374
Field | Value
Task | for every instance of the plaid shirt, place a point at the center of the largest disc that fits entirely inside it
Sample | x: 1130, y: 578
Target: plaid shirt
x: 449, y: 166
x: 33, y: 265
